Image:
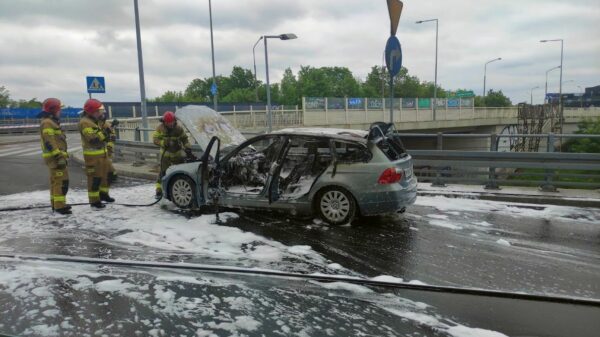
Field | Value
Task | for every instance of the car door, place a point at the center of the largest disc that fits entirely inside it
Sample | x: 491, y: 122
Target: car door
x: 303, y: 161
x: 248, y: 171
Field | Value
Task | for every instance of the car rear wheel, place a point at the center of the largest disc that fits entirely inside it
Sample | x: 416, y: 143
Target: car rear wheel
x: 335, y: 206
x: 182, y: 192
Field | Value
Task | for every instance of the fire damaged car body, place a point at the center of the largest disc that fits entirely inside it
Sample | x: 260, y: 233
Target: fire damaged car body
x: 337, y: 174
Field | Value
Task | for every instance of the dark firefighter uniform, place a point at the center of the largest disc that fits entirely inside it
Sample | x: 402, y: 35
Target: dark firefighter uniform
x: 95, y: 156
x: 172, y: 140
x: 54, y: 152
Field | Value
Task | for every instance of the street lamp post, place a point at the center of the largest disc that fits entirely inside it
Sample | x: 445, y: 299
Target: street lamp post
x: 485, y: 72
x: 436, y: 62
x: 212, y: 51
x: 265, y: 38
x: 547, y: 72
x: 140, y: 69
x: 254, y: 59
x: 560, y: 100
x: 532, y: 89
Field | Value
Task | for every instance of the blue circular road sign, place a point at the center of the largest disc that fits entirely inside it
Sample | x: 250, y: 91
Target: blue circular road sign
x: 393, y: 55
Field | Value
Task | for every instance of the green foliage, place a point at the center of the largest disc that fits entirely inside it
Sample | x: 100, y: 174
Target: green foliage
x: 240, y: 95
x: 4, y: 97
x: 289, y: 89
x: 327, y: 82
x: 495, y: 99
x: 586, y: 145
x: 240, y: 87
x: 27, y: 104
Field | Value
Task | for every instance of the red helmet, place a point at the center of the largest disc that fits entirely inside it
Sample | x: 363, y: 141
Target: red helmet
x: 92, y: 105
x: 168, y: 117
x: 51, y: 105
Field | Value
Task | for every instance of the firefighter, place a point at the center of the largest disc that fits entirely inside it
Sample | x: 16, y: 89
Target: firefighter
x: 172, y: 139
x: 109, y: 133
x: 94, y: 153
x: 54, y: 152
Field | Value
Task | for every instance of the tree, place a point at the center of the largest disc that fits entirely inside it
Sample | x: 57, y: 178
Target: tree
x: 241, y: 78
x: 327, y: 82
x: 4, y: 97
x: 198, y: 90
x: 495, y: 99
x: 240, y: 95
x: 27, y: 104
x: 586, y: 145
x: 289, y: 88
x: 171, y: 96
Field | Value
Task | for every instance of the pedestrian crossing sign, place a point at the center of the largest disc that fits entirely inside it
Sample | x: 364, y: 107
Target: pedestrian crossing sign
x: 95, y: 85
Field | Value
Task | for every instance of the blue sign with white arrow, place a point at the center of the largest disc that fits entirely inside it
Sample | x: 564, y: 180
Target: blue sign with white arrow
x: 213, y: 89
x: 393, y: 56
x: 95, y: 85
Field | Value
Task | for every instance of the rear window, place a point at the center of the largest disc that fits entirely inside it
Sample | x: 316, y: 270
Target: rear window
x: 392, y: 146
x: 347, y: 152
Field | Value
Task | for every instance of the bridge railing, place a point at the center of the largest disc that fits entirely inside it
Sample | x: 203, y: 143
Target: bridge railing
x: 490, y: 168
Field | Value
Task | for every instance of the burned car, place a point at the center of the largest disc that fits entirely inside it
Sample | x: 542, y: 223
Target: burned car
x: 337, y: 174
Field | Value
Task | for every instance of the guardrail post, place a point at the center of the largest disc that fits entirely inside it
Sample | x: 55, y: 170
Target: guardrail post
x: 438, y: 182
x: 547, y: 185
x: 492, y: 184
x: 346, y: 108
x: 139, y: 158
x: 110, y: 112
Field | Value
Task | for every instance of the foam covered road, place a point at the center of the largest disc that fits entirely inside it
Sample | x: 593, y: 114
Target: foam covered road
x: 547, y: 250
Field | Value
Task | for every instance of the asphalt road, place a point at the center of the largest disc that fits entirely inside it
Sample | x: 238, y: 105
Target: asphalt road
x: 460, y: 242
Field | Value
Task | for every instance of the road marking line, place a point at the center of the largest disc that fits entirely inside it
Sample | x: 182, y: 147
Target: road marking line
x: 15, y: 152
x: 9, y: 149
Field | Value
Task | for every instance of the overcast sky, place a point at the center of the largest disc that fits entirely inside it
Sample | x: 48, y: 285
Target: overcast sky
x: 49, y: 46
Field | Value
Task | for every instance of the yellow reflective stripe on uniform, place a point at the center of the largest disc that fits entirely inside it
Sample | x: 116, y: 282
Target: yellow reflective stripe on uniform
x: 89, y: 131
x: 94, y: 194
x: 94, y: 152
x: 110, y: 144
x: 53, y: 153
x: 51, y: 132
x: 158, y: 185
x: 104, y: 189
x: 59, y: 198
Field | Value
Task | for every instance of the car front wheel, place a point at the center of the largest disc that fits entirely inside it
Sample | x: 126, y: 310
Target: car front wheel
x: 182, y: 192
x: 335, y: 206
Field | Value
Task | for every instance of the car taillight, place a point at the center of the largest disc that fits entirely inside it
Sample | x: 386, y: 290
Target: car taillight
x: 390, y: 176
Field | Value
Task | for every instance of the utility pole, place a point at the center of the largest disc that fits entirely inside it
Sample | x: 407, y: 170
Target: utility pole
x: 212, y: 50
x: 141, y: 69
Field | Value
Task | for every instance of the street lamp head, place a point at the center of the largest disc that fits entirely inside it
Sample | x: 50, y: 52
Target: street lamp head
x: 288, y: 36
x: 420, y: 21
x: 543, y: 41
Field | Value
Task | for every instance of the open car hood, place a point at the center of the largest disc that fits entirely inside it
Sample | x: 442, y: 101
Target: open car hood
x: 203, y: 123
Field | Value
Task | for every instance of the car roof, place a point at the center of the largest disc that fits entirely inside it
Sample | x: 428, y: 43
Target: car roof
x: 342, y: 134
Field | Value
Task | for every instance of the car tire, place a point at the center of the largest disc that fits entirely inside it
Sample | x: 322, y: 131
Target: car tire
x: 335, y: 205
x: 182, y: 192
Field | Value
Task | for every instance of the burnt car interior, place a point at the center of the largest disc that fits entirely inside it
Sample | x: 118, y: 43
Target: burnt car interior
x: 305, y: 160
x: 387, y: 140
x: 247, y: 170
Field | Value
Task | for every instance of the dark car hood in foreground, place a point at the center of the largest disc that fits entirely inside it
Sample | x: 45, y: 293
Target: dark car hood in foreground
x: 73, y: 299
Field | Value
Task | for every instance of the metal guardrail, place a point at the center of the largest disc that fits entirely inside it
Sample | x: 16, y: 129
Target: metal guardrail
x: 547, y: 170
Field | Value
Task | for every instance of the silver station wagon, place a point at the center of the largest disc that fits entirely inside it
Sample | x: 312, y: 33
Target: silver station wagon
x: 336, y: 174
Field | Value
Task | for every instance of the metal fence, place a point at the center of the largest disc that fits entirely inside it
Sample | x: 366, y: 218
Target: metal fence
x: 490, y: 168
x: 365, y: 103
x: 495, y: 165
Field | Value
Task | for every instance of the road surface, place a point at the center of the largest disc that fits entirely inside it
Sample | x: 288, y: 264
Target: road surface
x: 549, y: 250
